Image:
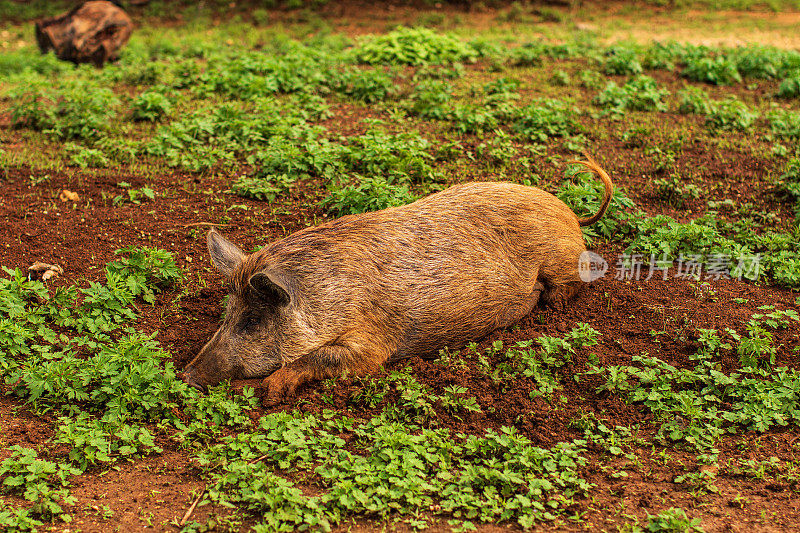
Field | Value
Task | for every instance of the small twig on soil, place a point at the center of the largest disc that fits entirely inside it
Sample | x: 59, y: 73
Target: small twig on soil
x: 204, y: 224
x: 191, y: 507
x: 257, y: 459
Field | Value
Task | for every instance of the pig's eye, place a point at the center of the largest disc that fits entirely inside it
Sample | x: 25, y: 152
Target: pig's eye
x: 250, y: 321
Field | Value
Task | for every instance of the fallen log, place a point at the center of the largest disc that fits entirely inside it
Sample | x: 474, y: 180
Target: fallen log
x: 92, y: 33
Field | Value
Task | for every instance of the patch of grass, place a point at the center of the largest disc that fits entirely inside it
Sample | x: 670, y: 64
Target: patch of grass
x: 686, y: 401
x: 398, y: 157
x: 717, y: 71
x: 497, y: 150
x: 413, y: 46
x: 546, y: 118
x: 70, y: 110
x: 93, y: 442
x: 789, y: 183
x: 784, y: 124
x: 398, y: 469
x: 19, y: 63
x: 266, y: 187
x: 368, y: 86
x: 694, y: 100
x: 662, y: 56
x: 79, y: 361
x: 429, y: 100
x: 367, y: 194
x: 39, y: 481
x: 84, y: 157
x: 620, y: 61
x: 591, y: 79
x: 750, y: 255
x: 764, y: 62
x: 151, y: 105
x: 206, y: 137
x: 790, y: 87
x: 730, y: 114
x: 527, y: 55
x: 540, y: 366
x: 560, y: 78
x: 32, y: 10
x: 672, y: 520
x: 638, y: 94
x: 674, y: 191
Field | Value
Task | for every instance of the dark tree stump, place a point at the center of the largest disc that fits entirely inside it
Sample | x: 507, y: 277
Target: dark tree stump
x: 93, y: 33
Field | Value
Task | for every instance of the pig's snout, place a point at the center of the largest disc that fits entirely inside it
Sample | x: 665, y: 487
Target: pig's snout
x: 189, y: 377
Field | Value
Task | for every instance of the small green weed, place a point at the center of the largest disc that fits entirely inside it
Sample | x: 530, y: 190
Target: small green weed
x: 620, y: 61
x: 151, y: 105
x: 718, y: 71
x: 39, y: 481
x: 84, y: 157
x: 694, y: 100
x: 92, y: 442
x: 673, y: 520
x: 18, y: 520
x: 638, y: 94
x: 527, y: 55
x: 730, y: 114
x: 132, y: 195
x: 560, y: 78
x: 368, y: 86
x: 546, y: 118
x: 429, y: 100
x: 368, y: 194
x: 789, y: 182
x: 784, y: 124
x: 613, y: 440
x: 674, y: 191
x: 789, y: 87
x: 147, y: 270
x: 268, y: 187
x: 591, y: 79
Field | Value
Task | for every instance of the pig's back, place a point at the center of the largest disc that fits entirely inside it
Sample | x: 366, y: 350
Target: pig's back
x: 444, y: 270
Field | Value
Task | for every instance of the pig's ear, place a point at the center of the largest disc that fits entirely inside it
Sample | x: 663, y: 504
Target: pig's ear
x: 225, y: 255
x: 270, y: 289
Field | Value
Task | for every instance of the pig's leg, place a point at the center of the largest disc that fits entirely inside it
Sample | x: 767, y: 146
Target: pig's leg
x: 327, y: 362
x: 517, y: 312
x: 557, y: 296
x: 538, y: 289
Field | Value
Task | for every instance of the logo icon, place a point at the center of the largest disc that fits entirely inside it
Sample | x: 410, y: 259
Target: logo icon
x: 591, y: 266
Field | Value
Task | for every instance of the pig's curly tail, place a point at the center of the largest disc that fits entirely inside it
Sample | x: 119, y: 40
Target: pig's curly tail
x: 592, y: 165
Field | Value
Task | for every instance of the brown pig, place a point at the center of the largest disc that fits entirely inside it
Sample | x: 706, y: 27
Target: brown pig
x: 353, y: 293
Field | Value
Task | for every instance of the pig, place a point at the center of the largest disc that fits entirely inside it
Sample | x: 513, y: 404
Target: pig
x: 92, y: 32
x: 348, y: 295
